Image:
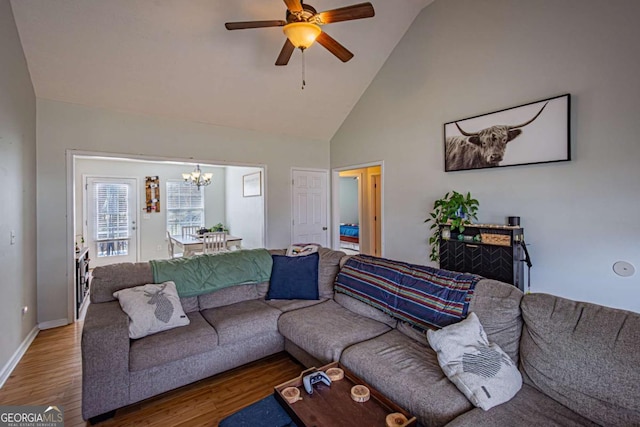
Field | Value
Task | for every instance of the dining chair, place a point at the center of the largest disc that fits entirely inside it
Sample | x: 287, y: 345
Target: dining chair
x: 172, y: 248
x: 214, y: 242
x: 189, y: 230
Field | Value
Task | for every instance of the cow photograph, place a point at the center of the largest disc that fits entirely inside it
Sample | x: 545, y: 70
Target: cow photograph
x: 537, y: 132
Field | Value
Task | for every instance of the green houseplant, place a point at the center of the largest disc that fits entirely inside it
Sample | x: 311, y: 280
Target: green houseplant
x: 455, y: 209
x: 219, y: 227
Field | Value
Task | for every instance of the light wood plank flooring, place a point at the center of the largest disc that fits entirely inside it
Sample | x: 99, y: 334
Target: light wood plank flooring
x: 50, y: 374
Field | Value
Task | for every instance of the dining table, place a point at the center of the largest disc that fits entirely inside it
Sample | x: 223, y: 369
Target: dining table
x: 192, y: 244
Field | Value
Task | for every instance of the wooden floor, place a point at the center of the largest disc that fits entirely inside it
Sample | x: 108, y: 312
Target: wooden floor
x: 50, y: 374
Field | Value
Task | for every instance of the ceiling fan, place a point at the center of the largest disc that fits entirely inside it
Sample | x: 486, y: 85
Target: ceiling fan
x: 302, y: 27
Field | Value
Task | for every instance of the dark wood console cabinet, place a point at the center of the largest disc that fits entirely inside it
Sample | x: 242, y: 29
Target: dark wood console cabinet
x: 82, y: 277
x: 491, y: 251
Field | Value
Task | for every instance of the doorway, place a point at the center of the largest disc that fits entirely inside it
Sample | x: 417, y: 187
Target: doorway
x: 358, y: 209
x: 110, y: 222
x: 225, y: 203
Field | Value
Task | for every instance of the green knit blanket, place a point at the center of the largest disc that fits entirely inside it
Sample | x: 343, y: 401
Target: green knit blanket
x: 206, y: 273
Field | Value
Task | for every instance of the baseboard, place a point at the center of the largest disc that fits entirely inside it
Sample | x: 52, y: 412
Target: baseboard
x: 53, y: 324
x: 8, y: 368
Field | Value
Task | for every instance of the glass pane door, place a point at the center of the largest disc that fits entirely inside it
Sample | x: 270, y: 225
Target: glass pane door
x: 111, y: 220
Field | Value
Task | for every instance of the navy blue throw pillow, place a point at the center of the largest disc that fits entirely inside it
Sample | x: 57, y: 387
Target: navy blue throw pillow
x: 294, y: 277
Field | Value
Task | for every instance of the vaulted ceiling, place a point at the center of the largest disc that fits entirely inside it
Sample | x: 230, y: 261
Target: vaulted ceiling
x: 175, y: 59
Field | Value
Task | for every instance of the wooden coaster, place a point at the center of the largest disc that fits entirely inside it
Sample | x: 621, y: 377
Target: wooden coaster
x: 360, y: 393
x: 335, y: 374
x: 395, y: 420
x: 292, y: 394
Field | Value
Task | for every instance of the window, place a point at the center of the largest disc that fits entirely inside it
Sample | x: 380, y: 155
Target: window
x: 110, y: 215
x: 185, y: 206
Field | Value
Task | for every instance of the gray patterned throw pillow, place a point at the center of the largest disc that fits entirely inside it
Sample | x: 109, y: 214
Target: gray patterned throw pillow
x: 152, y: 308
x: 481, y: 370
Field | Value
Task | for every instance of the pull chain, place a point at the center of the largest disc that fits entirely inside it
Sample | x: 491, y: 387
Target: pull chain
x: 303, y: 82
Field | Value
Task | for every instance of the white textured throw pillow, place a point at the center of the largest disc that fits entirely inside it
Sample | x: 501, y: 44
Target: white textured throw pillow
x: 484, y: 373
x: 152, y: 308
x: 302, y: 249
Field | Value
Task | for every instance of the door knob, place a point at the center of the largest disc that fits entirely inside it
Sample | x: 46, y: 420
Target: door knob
x: 324, y: 228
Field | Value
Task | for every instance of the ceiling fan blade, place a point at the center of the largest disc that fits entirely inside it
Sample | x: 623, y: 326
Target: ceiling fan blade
x: 293, y: 5
x: 356, y: 11
x: 253, y: 24
x: 285, y: 53
x: 334, y: 47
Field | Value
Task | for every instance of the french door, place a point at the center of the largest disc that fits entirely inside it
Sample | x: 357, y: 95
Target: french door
x: 111, y: 220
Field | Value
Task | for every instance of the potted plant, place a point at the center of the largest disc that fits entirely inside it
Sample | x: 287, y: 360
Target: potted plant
x: 454, y: 209
x: 219, y: 227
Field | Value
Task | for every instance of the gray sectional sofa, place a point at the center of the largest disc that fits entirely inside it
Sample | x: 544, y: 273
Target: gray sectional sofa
x: 579, y: 361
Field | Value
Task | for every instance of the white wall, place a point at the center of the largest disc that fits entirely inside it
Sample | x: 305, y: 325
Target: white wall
x: 62, y: 126
x: 461, y: 58
x: 18, y: 190
x: 152, y: 226
x: 349, y: 200
x: 244, y: 214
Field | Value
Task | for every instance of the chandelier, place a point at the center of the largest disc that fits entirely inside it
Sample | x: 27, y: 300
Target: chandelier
x: 198, y: 178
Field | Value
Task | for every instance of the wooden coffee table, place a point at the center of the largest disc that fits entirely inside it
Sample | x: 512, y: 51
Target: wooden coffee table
x: 333, y: 406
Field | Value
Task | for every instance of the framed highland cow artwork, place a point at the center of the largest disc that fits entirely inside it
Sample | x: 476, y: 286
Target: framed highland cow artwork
x: 537, y: 132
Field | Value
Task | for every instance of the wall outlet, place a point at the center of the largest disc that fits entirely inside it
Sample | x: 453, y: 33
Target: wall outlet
x: 13, y: 237
x: 159, y: 248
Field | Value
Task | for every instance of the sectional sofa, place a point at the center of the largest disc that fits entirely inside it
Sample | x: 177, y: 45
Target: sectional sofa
x: 579, y: 361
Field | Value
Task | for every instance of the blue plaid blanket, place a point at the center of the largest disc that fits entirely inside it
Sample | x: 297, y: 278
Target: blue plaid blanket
x: 425, y: 297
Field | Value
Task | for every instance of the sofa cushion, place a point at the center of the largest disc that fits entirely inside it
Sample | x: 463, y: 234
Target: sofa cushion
x: 302, y: 249
x: 285, y: 305
x: 409, y: 374
x: 324, y: 330
x: 175, y: 344
x: 497, y: 305
x: 242, y: 321
x: 294, y: 277
x: 583, y: 355
x: 363, y: 309
x: 190, y: 304
x: 528, y: 408
x: 412, y: 332
x: 108, y: 279
x: 480, y: 369
x: 226, y: 296
x: 152, y: 308
x: 328, y: 270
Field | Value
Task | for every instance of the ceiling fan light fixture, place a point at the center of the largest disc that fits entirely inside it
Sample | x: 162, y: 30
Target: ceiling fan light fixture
x: 302, y: 34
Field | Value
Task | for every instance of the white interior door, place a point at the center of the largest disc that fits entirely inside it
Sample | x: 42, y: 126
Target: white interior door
x: 111, y: 220
x: 310, y: 223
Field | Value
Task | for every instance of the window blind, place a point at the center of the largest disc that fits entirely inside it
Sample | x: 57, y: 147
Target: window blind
x: 111, y: 211
x: 185, y: 206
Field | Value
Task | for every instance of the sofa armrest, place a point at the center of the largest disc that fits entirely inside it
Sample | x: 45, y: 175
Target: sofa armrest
x: 105, y: 359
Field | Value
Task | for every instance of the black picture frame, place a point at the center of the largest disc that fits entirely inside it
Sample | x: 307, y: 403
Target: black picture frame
x: 537, y: 132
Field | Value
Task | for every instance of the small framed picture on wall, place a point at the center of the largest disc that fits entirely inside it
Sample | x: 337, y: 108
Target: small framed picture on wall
x: 252, y: 184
